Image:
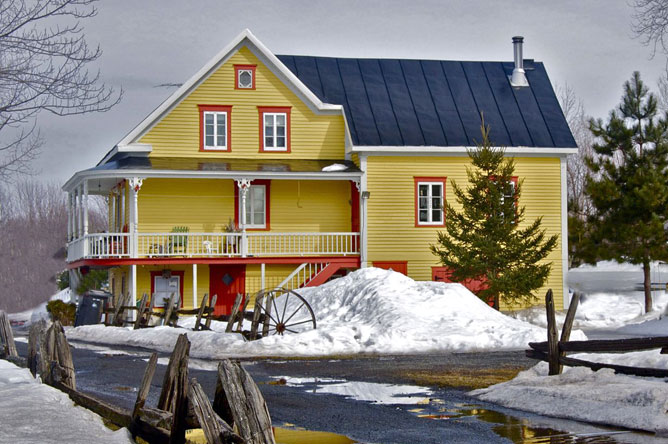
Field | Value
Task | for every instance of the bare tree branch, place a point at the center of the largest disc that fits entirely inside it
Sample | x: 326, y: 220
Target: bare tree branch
x: 43, y: 67
x: 650, y: 23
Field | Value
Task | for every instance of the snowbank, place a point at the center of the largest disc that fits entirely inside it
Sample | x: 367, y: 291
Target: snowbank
x: 31, y: 412
x: 35, y: 314
x: 599, y: 397
x: 368, y: 311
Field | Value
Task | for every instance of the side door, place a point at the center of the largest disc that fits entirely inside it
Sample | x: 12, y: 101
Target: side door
x: 226, y: 281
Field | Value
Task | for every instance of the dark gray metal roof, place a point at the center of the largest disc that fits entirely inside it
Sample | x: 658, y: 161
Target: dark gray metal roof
x: 391, y: 102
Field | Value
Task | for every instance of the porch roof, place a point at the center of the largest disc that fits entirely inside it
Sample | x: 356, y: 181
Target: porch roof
x: 125, y: 166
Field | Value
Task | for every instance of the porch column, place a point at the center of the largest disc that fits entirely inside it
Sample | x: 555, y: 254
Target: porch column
x: 364, y: 196
x: 244, y: 185
x: 85, y: 207
x: 135, y: 186
x: 195, y: 286
x: 133, y: 290
x: 80, y: 218
x: 69, y: 216
x: 75, y: 213
x: 112, y: 215
x: 262, y: 275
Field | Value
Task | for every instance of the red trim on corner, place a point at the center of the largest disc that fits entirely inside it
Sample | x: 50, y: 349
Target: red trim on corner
x: 178, y: 273
x: 416, y: 197
x: 275, y: 109
x: 354, y: 208
x: 236, y: 75
x: 267, y: 196
x: 215, y: 108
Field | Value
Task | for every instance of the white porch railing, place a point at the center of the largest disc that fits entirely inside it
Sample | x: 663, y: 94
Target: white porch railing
x: 249, y: 244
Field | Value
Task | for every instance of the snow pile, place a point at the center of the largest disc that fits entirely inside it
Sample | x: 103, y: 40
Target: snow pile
x: 369, y: 311
x: 31, y: 412
x: 599, y: 397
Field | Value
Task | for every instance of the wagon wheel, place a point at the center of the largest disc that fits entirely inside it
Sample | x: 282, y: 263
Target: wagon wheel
x: 286, y: 311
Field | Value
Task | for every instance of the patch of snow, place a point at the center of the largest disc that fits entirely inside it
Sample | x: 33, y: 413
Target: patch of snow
x: 335, y: 167
x: 599, y: 397
x: 599, y: 310
x: 362, y: 391
x: 34, y: 413
x: 368, y: 311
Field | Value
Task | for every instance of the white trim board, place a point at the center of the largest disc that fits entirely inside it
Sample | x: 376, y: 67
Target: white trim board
x: 142, y: 173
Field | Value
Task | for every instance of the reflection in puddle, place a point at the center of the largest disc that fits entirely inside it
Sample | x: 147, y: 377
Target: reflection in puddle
x: 284, y: 435
x: 433, y: 405
x: 362, y: 391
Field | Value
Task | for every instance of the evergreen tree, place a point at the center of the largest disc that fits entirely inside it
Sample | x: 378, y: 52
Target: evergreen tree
x: 487, y: 240
x: 628, y: 182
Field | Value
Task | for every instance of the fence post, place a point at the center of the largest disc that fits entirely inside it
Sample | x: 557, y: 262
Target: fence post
x: 552, y: 337
x: 568, y: 324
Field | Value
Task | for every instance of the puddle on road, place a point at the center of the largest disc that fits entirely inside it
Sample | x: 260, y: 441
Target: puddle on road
x: 520, y: 430
x: 424, y: 403
x: 285, y: 435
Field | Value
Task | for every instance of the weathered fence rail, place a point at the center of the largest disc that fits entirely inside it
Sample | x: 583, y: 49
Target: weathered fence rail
x: 238, y: 415
x: 554, y: 350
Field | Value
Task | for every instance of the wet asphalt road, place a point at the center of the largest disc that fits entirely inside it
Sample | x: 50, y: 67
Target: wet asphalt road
x: 114, y: 377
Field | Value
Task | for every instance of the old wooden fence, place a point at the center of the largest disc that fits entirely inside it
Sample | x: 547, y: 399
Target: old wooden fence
x: 554, y: 350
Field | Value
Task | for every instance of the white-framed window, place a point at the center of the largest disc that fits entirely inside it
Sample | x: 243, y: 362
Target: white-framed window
x: 215, y: 130
x: 430, y: 201
x: 256, y: 207
x: 164, y: 286
x: 275, y: 132
x: 509, y: 194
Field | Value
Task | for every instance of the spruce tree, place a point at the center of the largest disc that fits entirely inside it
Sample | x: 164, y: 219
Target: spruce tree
x: 488, y: 240
x: 628, y: 182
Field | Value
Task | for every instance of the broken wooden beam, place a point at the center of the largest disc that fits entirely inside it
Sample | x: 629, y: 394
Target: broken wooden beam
x: 552, y: 338
x: 249, y: 410
x: 215, y: 429
x: 233, y: 314
x: 7, y: 336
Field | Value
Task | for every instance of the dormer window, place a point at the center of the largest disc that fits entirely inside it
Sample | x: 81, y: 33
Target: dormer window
x: 214, y: 127
x: 244, y: 76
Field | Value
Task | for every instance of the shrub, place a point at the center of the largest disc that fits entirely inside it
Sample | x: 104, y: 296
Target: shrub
x: 60, y: 311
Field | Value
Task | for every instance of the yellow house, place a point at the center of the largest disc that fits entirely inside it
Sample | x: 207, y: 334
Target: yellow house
x: 265, y: 170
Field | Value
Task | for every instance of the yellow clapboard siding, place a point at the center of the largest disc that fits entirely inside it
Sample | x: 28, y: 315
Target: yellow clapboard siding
x: 203, y: 205
x: 312, y: 136
x: 207, y: 205
x: 392, y: 235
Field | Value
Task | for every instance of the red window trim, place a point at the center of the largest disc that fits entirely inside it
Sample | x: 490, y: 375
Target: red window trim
x: 178, y: 273
x: 275, y: 109
x: 443, y: 180
x: 237, y: 68
x: 267, y: 196
x: 215, y: 108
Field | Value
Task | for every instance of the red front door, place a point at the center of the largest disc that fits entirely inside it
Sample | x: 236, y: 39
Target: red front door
x: 226, y: 281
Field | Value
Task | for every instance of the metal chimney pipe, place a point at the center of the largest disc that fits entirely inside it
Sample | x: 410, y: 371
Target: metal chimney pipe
x: 518, y: 78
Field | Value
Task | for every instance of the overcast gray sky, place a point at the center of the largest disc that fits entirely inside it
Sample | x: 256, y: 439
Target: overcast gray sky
x: 586, y: 44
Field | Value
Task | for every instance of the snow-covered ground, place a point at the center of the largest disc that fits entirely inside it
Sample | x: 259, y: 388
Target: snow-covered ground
x: 368, y: 311
x: 600, y: 397
x: 32, y: 412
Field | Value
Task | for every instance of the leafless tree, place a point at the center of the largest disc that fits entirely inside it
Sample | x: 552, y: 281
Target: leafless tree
x: 650, y: 23
x: 577, y: 171
x: 33, y: 231
x: 44, y: 61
